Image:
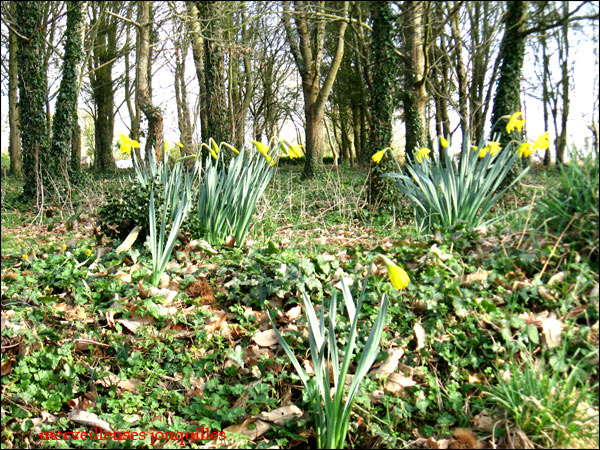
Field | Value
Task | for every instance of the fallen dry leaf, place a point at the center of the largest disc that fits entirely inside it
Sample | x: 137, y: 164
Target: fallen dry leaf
x: 464, y: 439
x: 216, y: 323
x: 391, y: 363
x: 251, y: 427
x: 6, y: 366
x: 88, y: 419
x: 420, y: 335
x: 557, y: 278
x: 545, y: 293
x: 551, y: 328
x: 265, y: 338
x: 478, y: 275
x: 129, y: 240
x: 280, y: 415
x: 483, y: 421
x: 294, y: 313
x: 397, y: 382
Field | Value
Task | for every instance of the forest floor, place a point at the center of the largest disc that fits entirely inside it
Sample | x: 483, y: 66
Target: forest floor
x: 493, y: 344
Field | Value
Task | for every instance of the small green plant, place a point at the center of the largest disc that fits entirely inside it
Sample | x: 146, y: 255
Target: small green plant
x: 332, y: 412
x: 228, y: 195
x: 444, y: 193
x: 550, y: 407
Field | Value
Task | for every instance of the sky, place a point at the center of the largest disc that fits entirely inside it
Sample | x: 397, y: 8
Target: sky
x: 583, y: 108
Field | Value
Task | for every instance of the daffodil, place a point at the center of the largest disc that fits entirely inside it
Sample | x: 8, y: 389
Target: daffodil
x: 377, y: 156
x: 295, y: 151
x: 542, y: 143
x: 231, y: 147
x: 483, y: 151
x: 525, y: 149
x: 88, y: 252
x: 398, y: 276
x: 64, y: 247
x: 270, y: 160
x: 166, y: 146
x: 215, y: 147
x: 262, y: 148
x: 493, y: 147
x: 514, y: 122
x: 179, y: 144
x: 211, y: 151
x: 422, y: 153
x: 127, y: 143
x: 25, y: 257
x: 443, y: 142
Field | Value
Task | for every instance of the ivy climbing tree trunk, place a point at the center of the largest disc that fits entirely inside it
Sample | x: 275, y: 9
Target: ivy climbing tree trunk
x: 382, y: 97
x: 66, y: 105
x: 152, y: 113
x: 306, y: 43
x: 512, y: 51
x: 32, y: 95
x: 14, y: 147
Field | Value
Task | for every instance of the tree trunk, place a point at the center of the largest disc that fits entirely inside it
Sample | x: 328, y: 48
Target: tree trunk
x: 461, y: 77
x: 153, y: 114
x: 382, y: 94
x: 563, y: 52
x: 415, y: 96
x: 198, y: 56
x: 32, y: 95
x: 76, y: 145
x: 100, y: 67
x: 14, y: 148
x: 307, y: 50
x: 183, y: 109
x: 512, y: 50
x: 66, y: 104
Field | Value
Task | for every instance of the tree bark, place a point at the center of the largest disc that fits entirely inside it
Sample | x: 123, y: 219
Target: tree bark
x: 306, y: 44
x: 154, y: 140
x: 32, y: 95
x: 14, y: 148
x: 512, y: 50
x: 66, y: 103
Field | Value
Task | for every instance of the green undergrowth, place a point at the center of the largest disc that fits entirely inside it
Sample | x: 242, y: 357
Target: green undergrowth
x: 488, y: 318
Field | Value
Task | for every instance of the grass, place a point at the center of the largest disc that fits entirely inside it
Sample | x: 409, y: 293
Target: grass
x: 87, y: 331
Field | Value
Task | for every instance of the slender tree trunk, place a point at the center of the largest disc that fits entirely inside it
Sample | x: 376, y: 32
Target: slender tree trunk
x: 198, y: 56
x: 563, y: 51
x: 183, y: 110
x: 152, y: 112
x: 415, y: 96
x: 14, y: 148
x: 461, y: 78
x: 545, y: 94
x: 76, y: 145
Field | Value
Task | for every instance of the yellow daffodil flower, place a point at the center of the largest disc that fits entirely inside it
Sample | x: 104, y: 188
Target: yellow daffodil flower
x: 443, y: 142
x: 64, y: 247
x: 88, y: 252
x: 542, y: 143
x: 231, y: 147
x: 179, y: 144
x: 262, y: 148
x: 25, y: 257
x: 215, y: 147
x: 295, y: 151
x: 525, y: 150
x: 270, y: 160
x: 398, y: 276
x: 127, y: 143
x: 377, y: 156
x: 422, y: 153
x: 493, y: 147
x: 211, y: 151
x: 166, y: 146
x: 515, y: 122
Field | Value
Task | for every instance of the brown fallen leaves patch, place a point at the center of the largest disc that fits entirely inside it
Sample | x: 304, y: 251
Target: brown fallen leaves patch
x: 200, y: 288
